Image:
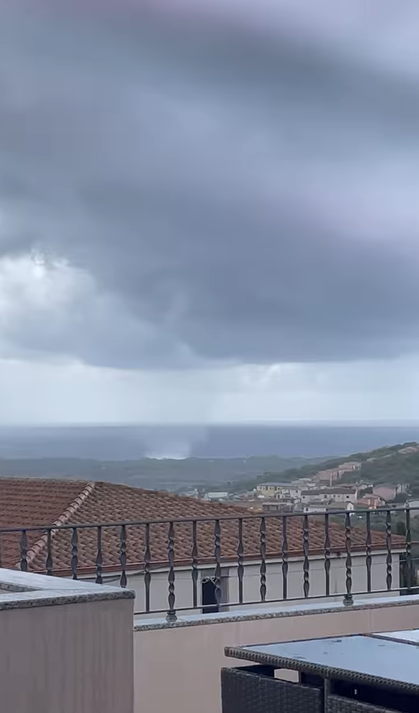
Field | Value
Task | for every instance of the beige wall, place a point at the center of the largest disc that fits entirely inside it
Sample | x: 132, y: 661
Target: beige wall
x: 72, y: 658
x: 178, y: 669
x: 251, y: 582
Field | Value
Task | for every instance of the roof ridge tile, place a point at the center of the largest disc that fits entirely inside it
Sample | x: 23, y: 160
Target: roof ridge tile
x: 64, y: 519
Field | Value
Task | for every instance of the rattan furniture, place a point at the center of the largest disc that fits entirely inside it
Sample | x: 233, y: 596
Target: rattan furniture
x: 350, y: 674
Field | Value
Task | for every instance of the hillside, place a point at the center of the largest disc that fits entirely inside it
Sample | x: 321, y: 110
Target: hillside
x: 390, y: 467
x: 383, y: 465
x: 238, y: 474
x: 163, y: 474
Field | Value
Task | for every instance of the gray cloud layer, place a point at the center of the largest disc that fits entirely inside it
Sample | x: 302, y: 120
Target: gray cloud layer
x: 231, y: 193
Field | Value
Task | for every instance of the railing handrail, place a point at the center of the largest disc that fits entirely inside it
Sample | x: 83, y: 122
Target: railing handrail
x: 221, y: 518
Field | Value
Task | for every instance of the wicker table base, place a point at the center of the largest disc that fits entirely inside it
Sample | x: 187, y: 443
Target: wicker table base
x: 245, y: 691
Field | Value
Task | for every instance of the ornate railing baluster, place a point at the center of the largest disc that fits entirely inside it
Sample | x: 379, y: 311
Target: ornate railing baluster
x: 327, y: 554
x: 48, y: 561
x: 217, y: 556
x: 195, y: 570
x: 99, y: 556
x: 24, y: 551
x: 284, y: 558
x: 306, y: 561
x: 171, y: 612
x: 389, y: 559
x: 240, y: 564
x: 147, y: 566
x: 368, y: 550
x: 74, y: 552
x: 262, y: 550
x: 348, y: 599
x: 123, y: 555
x: 409, y: 560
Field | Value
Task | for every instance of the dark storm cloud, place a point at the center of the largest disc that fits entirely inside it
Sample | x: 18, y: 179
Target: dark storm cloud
x: 235, y: 193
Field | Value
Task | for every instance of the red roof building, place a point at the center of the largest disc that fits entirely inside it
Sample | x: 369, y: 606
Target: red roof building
x: 53, y: 506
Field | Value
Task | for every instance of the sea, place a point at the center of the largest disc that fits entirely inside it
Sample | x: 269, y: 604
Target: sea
x: 131, y: 442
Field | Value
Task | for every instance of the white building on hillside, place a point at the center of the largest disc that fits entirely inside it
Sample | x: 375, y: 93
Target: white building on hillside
x: 330, y: 507
x: 218, y: 496
x: 325, y: 495
x: 332, y: 475
x: 349, y: 466
x: 279, y: 490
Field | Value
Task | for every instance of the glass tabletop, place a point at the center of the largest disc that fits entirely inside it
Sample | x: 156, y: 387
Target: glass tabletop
x: 411, y: 636
x: 388, y: 660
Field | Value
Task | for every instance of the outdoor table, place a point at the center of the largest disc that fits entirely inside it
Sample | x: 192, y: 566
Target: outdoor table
x: 376, y: 673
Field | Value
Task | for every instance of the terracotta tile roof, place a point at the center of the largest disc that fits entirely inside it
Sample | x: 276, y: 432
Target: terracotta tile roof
x: 32, y: 502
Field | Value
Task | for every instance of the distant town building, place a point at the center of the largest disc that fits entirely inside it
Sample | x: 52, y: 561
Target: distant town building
x: 278, y: 490
x: 280, y: 506
x: 388, y: 491
x: 314, y: 507
x: 349, y: 466
x: 305, y: 483
x: 327, y: 495
x: 370, y: 502
x: 413, y: 448
x: 328, y: 477
x: 252, y: 504
x: 216, y: 496
x: 192, y: 493
x: 332, y: 475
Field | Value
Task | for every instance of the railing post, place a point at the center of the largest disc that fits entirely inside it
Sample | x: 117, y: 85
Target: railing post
x: 409, y: 562
x: 348, y: 598
x: 147, y: 569
x: 240, y: 564
x: 327, y: 554
x: 48, y: 561
x: 171, y: 612
x: 123, y: 555
x: 368, y: 556
x: 306, y: 561
x: 217, y: 556
x: 24, y: 551
x: 74, y: 552
x: 389, y: 558
x: 99, y: 556
x: 262, y: 550
x: 284, y: 565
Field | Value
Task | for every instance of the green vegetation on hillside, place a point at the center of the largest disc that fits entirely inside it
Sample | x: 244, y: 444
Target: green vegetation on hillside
x: 383, y: 465
x: 236, y: 474
x: 390, y: 468
x: 161, y: 474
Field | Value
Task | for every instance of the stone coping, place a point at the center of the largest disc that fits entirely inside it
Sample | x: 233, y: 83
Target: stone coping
x: 23, y: 590
x: 240, y: 615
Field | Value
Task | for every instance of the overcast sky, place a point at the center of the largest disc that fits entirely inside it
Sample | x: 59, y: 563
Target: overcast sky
x: 209, y: 210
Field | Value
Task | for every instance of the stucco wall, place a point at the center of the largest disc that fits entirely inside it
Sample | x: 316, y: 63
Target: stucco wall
x: 178, y: 669
x: 72, y: 658
x: 251, y: 582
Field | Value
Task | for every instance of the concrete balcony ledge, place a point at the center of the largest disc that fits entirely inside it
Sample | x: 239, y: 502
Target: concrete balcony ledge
x: 277, y: 612
x: 20, y: 590
x: 65, y: 645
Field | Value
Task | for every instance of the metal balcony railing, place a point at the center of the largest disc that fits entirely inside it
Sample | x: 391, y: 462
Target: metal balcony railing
x: 202, y: 554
